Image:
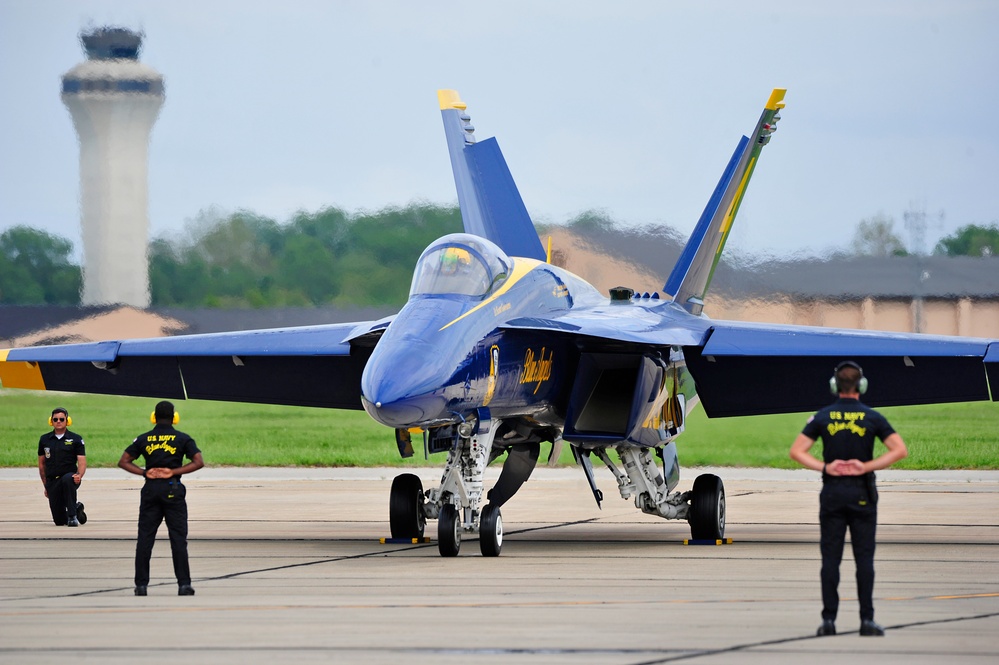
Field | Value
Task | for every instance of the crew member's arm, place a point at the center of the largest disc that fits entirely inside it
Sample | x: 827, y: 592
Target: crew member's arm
x: 127, y: 462
x: 799, y: 453
x: 41, y: 472
x: 896, y: 451
x: 81, y: 468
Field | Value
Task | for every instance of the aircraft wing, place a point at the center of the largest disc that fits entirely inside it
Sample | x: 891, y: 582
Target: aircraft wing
x: 752, y: 369
x: 306, y: 366
x: 746, y: 368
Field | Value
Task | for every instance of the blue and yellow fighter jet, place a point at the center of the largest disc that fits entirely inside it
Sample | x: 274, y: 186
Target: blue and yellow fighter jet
x: 498, y: 351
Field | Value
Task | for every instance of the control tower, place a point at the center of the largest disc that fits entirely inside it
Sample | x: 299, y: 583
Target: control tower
x: 114, y: 100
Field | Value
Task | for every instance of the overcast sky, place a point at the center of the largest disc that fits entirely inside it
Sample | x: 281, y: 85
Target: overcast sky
x: 628, y: 107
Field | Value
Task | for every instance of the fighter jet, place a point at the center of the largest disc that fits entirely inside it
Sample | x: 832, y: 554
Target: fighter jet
x: 499, y: 353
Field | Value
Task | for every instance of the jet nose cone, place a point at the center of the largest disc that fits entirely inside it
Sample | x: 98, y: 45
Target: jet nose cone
x: 403, y: 387
x: 400, y: 413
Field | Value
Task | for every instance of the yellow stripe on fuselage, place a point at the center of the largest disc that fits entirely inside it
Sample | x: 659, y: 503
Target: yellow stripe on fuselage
x: 19, y: 374
x: 520, y: 268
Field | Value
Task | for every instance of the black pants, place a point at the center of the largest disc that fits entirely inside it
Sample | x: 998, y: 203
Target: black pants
x: 161, y: 499
x: 844, y: 504
x: 62, y: 497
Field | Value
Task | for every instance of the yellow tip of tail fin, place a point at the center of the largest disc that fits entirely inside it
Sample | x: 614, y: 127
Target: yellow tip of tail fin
x: 548, y: 251
x: 776, y: 100
x: 449, y: 99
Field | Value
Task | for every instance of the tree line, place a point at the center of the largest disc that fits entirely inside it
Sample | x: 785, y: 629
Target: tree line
x: 329, y: 257
x: 325, y: 258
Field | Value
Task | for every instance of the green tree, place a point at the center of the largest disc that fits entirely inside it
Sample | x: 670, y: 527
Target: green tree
x: 176, y: 277
x: 35, y: 268
x: 970, y: 240
x: 875, y: 236
x: 306, y: 267
x: 592, y: 220
x: 318, y: 258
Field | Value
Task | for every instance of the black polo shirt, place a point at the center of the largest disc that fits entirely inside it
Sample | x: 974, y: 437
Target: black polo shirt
x: 60, y: 452
x: 848, y: 430
x: 163, y: 446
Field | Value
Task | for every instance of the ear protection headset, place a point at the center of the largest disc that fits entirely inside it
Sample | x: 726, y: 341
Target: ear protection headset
x: 834, y: 383
x: 69, y: 421
x: 176, y: 417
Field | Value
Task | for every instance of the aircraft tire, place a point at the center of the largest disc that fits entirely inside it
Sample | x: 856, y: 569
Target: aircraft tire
x: 448, y: 531
x: 406, y: 518
x: 491, y: 531
x: 707, y: 508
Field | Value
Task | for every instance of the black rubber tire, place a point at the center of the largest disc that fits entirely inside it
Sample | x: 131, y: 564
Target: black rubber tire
x: 491, y: 531
x: 406, y: 518
x: 448, y: 530
x: 707, y: 508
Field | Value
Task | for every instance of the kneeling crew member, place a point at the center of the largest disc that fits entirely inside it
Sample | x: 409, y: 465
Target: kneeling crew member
x: 62, y: 461
x: 164, y: 449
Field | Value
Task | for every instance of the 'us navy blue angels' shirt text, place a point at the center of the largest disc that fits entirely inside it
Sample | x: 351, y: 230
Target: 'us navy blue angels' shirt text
x: 163, y: 446
x: 848, y: 430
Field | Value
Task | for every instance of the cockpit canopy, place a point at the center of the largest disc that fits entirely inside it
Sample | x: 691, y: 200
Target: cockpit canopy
x: 460, y: 264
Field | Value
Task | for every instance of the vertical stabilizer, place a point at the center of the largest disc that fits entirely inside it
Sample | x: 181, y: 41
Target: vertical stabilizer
x: 490, y: 203
x: 691, y: 276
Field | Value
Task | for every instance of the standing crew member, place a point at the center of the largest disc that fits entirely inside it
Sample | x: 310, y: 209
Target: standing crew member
x: 849, y: 495
x: 164, y: 449
x: 62, y: 461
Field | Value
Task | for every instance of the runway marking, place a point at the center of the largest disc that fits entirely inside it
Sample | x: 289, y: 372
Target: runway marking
x: 788, y: 640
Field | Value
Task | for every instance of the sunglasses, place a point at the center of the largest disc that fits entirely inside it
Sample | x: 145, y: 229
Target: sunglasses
x: 58, y: 420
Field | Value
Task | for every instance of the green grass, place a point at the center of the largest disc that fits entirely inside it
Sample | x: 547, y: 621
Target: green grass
x: 938, y: 436
x: 945, y: 436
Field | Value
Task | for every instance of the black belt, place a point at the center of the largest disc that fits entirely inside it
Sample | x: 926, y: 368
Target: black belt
x: 846, y: 480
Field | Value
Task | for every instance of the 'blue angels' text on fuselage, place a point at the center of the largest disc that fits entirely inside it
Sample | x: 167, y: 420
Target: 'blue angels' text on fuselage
x: 537, y: 369
x: 446, y: 353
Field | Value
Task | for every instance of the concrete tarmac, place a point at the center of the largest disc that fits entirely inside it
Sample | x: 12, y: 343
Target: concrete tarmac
x: 288, y: 567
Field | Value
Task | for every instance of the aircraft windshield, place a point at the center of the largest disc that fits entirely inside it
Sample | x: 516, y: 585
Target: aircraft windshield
x: 460, y: 264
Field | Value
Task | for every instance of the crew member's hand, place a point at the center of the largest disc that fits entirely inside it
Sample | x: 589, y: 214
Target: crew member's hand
x: 849, y: 467
x: 77, y: 478
x: 45, y: 491
x: 159, y: 472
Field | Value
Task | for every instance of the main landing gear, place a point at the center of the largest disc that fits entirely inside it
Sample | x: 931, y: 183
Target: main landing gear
x: 703, y: 506
x: 459, y: 504
x: 707, y: 508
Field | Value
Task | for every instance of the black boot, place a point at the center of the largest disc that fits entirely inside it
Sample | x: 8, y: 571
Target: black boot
x: 827, y: 628
x: 870, y: 629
